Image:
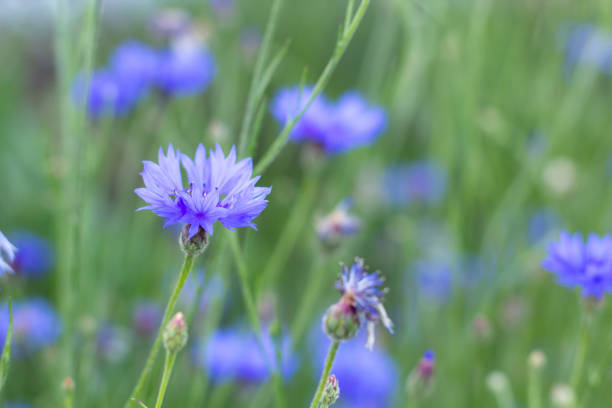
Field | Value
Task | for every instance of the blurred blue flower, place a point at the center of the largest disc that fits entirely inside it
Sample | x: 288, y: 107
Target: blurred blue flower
x: 338, y: 224
x: 107, y: 94
x: 588, y: 45
x: 136, y: 64
x: 146, y: 317
x: 219, y: 189
x: 367, y: 378
x: 35, y: 256
x: 212, y: 288
x: 35, y: 326
x: 421, y: 182
x: 334, y: 127
x: 185, y: 68
x: 250, y: 40
x: 542, y: 223
x: 434, y: 279
x: 223, y: 8
x: 7, y: 254
x: 577, y: 263
x: 233, y: 354
x: 13, y: 404
x: 112, y: 342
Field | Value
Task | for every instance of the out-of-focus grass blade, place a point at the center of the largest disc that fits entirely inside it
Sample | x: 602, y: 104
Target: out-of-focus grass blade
x: 257, y: 127
x: 139, y: 402
x: 5, y: 360
x: 270, y: 70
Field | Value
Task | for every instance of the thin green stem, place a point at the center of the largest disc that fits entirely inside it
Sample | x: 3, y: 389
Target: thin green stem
x: 254, y: 94
x: 329, y: 360
x: 146, y: 371
x: 168, y: 365
x: 291, y: 232
x: 534, y: 390
x: 280, y: 142
x: 581, y: 352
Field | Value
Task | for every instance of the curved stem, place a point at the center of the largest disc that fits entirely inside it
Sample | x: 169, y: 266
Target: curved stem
x: 329, y: 360
x: 146, y: 371
x: 168, y: 365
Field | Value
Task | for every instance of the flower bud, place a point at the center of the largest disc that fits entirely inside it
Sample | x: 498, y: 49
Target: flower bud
x: 331, y: 392
x: 341, y: 321
x: 195, y: 245
x: 175, y: 334
x: 68, y: 384
x: 420, y: 382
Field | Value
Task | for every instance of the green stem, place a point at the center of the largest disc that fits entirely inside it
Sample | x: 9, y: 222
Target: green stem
x: 278, y: 144
x: 168, y: 365
x: 329, y: 360
x: 581, y: 352
x: 290, y: 234
x: 534, y: 391
x: 146, y: 371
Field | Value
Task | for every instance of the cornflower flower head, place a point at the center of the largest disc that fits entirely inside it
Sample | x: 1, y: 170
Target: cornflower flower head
x: 577, y: 263
x: 337, y: 225
x: 232, y: 354
x: 136, y: 64
x: 434, y: 279
x: 218, y: 189
x: 361, y: 302
x: 146, y: 317
x: 336, y: 127
x: 35, y: 256
x: 422, y: 182
x: 7, y: 254
x: 35, y: 326
x: 113, y: 343
x: 186, y: 68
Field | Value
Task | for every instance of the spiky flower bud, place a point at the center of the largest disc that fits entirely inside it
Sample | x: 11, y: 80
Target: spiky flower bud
x: 195, y: 245
x: 175, y: 336
x: 420, y: 383
x: 341, y: 321
x: 331, y: 392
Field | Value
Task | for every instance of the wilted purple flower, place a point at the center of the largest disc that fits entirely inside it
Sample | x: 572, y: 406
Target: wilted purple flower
x: 421, y: 182
x: 361, y: 292
x: 234, y: 355
x: 107, y: 93
x: 434, y: 279
x: 35, y: 255
x: 185, y: 68
x: 146, y: 318
x: 35, y: 326
x: 334, y: 127
x: 576, y: 263
x: 590, y: 46
x: 7, y: 254
x: 218, y: 189
x: 338, y: 224
x: 367, y: 378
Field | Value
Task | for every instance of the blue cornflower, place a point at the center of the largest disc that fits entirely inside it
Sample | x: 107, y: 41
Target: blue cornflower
x: 112, y: 342
x: 367, y: 379
x: 185, y: 68
x: 361, y: 292
x: 334, y: 127
x: 542, y: 223
x: 421, y: 182
x: 107, y: 94
x: 577, y: 263
x: 35, y: 257
x: 233, y: 354
x: 434, y: 279
x: 35, y: 326
x: 218, y: 189
x: 136, y: 64
x: 590, y: 46
x: 146, y: 317
x: 7, y: 254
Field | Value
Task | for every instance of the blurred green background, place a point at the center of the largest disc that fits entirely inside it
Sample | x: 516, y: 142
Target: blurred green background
x: 478, y: 86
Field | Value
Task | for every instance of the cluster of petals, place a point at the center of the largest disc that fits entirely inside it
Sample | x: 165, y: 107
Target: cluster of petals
x: 218, y: 188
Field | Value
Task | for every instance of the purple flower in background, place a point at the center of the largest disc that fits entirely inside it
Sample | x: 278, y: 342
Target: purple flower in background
x: 334, y: 127
x: 7, y: 254
x: 35, y: 326
x: 367, y: 378
x: 542, y: 223
x: 224, y: 9
x: 250, y: 40
x: 112, y: 343
x: 588, y: 45
x: 35, y: 257
x: 146, y: 317
x: 186, y: 68
x: 420, y: 381
x: 107, y: 94
x: 171, y: 22
x: 211, y: 289
x: 218, y: 189
x: 421, y: 182
x: 577, y: 263
x: 434, y: 279
x: 136, y: 64
x: 338, y: 224
x: 234, y: 355
x: 13, y: 404
x: 361, y: 290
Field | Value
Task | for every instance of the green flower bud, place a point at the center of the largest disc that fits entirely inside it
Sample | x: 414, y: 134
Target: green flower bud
x: 341, y: 321
x: 195, y: 245
x: 331, y: 392
x: 175, y: 336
